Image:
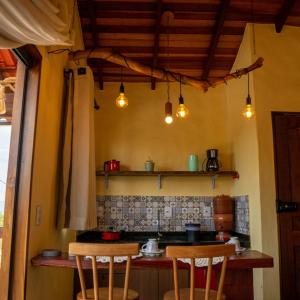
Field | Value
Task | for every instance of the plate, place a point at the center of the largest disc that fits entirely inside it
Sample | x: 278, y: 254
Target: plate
x: 240, y: 250
x: 152, y: 254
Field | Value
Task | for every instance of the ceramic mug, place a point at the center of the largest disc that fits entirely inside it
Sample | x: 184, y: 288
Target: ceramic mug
x: 151, y: 246
x: 149, y: 165
x: 235, y: 241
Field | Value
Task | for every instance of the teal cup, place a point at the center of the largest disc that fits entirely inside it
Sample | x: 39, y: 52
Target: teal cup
x: 193, y: 163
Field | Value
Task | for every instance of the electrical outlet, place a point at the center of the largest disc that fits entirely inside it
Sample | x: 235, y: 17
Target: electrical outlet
x: 168, y: 212
x: 38, y: 215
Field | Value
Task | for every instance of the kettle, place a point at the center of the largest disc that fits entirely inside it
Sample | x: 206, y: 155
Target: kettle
x: 212, y: 163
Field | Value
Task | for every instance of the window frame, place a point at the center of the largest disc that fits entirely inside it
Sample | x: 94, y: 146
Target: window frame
x: 19, y: 175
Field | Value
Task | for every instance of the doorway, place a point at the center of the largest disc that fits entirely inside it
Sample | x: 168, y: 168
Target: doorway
x: 286, y: 129
x: 8, y: 70
x: 21, y: 121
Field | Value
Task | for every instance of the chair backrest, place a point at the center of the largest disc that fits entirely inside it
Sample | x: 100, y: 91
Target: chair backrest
x: 194, y: 252
x: 110, y: 250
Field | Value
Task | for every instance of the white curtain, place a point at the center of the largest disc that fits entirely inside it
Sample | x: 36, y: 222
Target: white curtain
x: 77, y: 208
x: 38, y: 22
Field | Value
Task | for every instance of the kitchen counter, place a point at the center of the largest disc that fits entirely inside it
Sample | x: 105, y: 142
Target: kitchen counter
x: 165, y: 239
x: 248, y: 259
x: 238, y: 283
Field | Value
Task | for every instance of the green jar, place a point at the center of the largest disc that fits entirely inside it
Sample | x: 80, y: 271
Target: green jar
x: 193, y: 163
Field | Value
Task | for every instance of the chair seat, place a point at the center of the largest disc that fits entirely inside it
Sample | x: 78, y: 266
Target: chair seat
x: 185, y: 294
x: 103, y: 294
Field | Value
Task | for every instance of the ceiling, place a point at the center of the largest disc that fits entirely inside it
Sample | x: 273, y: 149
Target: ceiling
x: 202, y: 40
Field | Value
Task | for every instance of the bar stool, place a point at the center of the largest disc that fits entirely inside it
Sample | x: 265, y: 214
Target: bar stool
x: 194, y: 252
x: 110, y: 250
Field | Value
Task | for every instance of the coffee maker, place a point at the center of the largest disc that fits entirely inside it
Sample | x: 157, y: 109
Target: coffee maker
x: 212, y: 163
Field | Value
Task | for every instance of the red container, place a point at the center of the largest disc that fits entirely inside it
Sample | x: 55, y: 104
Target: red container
x: 110, y: 235
x: 223, y: 204
x: 111, y: 165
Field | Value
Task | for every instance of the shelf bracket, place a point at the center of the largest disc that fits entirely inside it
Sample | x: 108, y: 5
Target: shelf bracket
x: 213, y: 181
x: 159, y: 181
x: 106, y: 180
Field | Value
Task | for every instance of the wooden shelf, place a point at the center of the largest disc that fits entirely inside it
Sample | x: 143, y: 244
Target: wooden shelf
x: 233, y: 174
x: 160, y: 174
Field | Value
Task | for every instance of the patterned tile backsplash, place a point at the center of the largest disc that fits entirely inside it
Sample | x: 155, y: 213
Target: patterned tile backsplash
x: 242, y: 214
x: 140, y: 213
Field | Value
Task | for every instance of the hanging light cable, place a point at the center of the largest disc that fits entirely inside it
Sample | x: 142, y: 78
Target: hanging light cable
x: 182, y: 111
x: 168, y: 105
x: 2, y: 100
x: 248, y: 111
x: 122, y: 100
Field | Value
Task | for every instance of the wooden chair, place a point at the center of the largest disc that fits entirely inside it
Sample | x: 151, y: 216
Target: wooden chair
x: 110, y: 250
x: 194, y: 252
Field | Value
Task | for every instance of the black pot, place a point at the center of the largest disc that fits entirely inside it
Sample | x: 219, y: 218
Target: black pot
x: 193, y: 232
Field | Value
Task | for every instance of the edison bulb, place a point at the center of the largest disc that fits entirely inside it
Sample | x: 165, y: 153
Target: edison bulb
x: 182, y: 111
x: 122, y: 101
x: 248, y: 111
x: 169, y: 119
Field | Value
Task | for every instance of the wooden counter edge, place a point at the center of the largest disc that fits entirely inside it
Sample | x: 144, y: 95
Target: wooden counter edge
x: 248, y: 260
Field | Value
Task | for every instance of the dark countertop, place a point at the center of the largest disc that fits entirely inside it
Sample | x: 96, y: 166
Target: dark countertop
x: 167, y: 238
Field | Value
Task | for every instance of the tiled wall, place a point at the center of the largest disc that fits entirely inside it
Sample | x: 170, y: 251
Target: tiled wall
x: 242, y: 214
x: 140, y: 213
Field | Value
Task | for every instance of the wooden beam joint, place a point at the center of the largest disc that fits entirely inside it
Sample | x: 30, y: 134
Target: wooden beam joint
x: 283, y: 14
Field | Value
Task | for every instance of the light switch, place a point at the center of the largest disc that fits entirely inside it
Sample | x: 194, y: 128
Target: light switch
x: 38, y: 215
x: 168, y: 212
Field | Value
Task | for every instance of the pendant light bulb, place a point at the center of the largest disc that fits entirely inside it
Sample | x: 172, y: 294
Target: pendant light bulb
x: 2, y: 101
x: 168, y: 113
x: 182, y: 111
x: 248, y: 111
x: 122, y: 100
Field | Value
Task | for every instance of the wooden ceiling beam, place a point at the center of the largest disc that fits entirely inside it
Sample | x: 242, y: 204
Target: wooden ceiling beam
x: 191, y: 61
x: 283, y: 14
x: 218, y: 30
x: 232, y: 15
x: 92, y: 14
x: 175, y: 50
x: 156, y: 39
x: 205, y: 30
x: 149, y: 6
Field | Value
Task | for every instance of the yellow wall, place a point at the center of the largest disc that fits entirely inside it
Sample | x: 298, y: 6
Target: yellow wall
x: 276, y: 89
x: 243, y: 136
x: 57, y: 283
x: 48, y: 283
x: 133, y: 134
